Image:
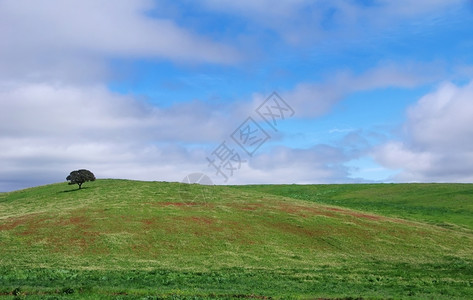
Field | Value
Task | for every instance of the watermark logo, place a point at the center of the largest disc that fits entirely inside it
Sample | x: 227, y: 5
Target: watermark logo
x: 225, y: 161
x: 192, y: 194
x: 274, y: 109
x: 250, y: 136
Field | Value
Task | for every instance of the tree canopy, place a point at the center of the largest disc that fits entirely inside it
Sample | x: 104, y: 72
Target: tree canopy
x: 80, y: 176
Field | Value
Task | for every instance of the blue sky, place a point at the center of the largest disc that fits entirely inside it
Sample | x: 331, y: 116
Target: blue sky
x: 382, y: 90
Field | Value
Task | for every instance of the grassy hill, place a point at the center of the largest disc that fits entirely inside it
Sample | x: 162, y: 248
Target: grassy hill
x: 129, y: 239
x: 447, y: 205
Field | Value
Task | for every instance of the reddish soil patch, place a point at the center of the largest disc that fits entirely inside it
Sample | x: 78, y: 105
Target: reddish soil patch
x: 31, y: 222
x: 33, y: 226
x: 336, y: 209
x: 79, y: 241
x: 79, y: 222
x: 62, y: 233
x: 365, y: 216
x: 15, y: 222
x: 148, y: 221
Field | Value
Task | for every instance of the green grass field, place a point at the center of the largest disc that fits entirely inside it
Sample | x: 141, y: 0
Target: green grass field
x: 440, y: 204
x: 119, y: 239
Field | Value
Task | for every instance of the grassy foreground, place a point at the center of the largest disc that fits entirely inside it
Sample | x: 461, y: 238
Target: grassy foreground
x: 127, y: 239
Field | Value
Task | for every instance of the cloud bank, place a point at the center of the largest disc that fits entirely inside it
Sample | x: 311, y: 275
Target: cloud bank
x: 437, y: 140
x: 58, y: 112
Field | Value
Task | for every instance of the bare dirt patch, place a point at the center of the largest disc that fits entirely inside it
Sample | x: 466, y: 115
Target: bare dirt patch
x: 148, y: 222
x: 18, y: 221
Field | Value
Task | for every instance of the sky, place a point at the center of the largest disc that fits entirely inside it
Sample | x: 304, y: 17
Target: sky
x: 244, y: 92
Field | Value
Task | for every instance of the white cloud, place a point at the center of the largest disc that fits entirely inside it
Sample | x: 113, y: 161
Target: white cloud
x: 437, y: 142
x: 80, y: 113
x: 443, y: 120
x: 30, y: 162
x: 315, y: 99
x: 56, y: 113
x: 69, y: 39
x: 318, y: 164
x: 49, y: 130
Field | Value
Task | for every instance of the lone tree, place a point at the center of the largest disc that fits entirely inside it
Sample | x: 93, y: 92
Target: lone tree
x: 80, y: 176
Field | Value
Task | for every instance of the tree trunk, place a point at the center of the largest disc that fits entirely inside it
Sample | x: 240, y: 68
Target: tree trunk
x: 80, y: 184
